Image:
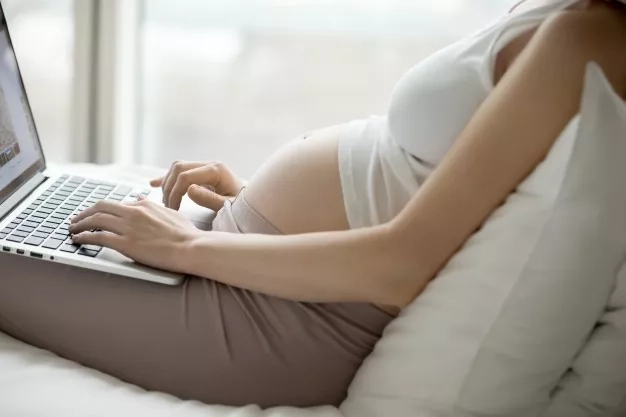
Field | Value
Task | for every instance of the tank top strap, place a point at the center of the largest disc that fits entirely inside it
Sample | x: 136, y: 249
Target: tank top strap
x: 513, y: 25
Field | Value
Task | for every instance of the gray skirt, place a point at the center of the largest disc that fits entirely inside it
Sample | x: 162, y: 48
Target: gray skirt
x: 202, y: 340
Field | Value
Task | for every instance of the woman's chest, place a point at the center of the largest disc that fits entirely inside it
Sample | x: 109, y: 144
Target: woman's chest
x: 436, y: 99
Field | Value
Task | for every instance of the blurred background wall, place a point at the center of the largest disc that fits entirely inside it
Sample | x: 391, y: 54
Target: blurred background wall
x: 149, y: 81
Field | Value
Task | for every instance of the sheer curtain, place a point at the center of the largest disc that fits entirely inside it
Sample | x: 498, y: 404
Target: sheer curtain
x: 234, y: 79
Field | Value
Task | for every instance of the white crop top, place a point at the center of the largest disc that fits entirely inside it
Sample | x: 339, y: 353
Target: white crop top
x: 383, y: 160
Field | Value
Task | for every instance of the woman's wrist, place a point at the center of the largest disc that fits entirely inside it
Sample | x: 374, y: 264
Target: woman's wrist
x: 187, y: 252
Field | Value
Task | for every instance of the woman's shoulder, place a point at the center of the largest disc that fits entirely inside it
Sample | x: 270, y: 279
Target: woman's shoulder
x: 599, y: 30
x: 525, y: 5
x: 594, y: 33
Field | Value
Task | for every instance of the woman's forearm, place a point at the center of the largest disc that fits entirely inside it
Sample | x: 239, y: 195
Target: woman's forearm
x: 348, y: 266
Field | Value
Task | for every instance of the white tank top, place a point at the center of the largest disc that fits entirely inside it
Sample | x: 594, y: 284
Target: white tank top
x: 383, y: 160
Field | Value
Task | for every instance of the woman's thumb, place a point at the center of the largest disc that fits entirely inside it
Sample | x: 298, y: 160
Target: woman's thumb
x: 157, y: 182
x: 205, y: 198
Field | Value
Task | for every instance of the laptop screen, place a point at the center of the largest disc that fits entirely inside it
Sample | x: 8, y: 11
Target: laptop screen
x: 21, y: 156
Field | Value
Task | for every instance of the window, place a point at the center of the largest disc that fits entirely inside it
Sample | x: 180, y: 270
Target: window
x: 43, y: 36
x: 221, y: 79
x: 234, y: 79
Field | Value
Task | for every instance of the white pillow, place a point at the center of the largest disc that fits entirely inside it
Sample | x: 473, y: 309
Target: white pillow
x: 596, y: 384
x: 496, y: 330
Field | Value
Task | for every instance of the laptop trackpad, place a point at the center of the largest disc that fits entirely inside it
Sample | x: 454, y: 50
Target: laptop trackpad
x: 125, y: 266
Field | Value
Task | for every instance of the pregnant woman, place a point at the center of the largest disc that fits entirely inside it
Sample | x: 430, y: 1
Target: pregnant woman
x: 336, y: 233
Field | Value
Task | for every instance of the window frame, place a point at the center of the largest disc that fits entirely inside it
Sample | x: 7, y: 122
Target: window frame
x: 106, y: 96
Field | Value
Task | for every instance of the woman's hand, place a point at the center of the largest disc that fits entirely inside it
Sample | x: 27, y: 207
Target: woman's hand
x: 143, y: 231
x: 208, y: 184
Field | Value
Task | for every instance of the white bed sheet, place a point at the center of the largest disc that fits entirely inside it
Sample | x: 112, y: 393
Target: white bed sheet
x: 35, y: 383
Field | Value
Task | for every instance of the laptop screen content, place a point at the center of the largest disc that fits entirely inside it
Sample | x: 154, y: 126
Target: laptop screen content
x: 20, y: 151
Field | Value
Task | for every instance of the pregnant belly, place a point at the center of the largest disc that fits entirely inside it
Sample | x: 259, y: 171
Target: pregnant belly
x: 298, y: 189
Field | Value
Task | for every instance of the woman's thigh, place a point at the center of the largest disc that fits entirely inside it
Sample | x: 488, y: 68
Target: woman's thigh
x: 202, y: 340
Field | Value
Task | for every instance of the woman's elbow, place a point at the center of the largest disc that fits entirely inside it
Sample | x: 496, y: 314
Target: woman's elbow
x: 408, y: 275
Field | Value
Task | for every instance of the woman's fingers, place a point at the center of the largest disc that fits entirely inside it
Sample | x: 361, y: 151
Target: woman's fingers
x: 207, y: 174
x: 106, y: 239
x: 101, y: 221
x: 104, y: 206
x: 206, y: 198
x: 157, y: 182
x: 171, y: 177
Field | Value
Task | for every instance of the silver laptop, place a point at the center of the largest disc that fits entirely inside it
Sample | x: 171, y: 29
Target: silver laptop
x: 37, y: 205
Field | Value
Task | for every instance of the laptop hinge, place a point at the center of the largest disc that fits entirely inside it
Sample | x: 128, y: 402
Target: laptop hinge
x: 22, y: 193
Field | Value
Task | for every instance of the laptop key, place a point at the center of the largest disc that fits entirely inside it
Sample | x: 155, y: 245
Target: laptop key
x: 122, y: 189
x: 33, y: 241
x: 43, y: 229
x: 52, y: 244
x: 88, y: 252
x: 54, y: 221
x: 25, y: 229
x: 92, y: 247
x: 3, y: 235
x: 40, y: 234
x: 50, y: 225
x: 20, y: 234
x: 69, y: 248
x: 33, y: 221
x: 16, y: 239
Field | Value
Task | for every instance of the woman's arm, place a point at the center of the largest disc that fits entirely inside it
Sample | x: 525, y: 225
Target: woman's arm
x: 390, y: 264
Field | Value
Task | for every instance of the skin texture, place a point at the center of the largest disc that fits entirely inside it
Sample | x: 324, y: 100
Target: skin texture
x: 536, y: 95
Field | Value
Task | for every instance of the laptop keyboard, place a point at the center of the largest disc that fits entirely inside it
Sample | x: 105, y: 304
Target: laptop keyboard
x: 45, y: 222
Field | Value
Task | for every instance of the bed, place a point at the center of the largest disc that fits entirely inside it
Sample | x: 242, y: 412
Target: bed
x: 453, y: 326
